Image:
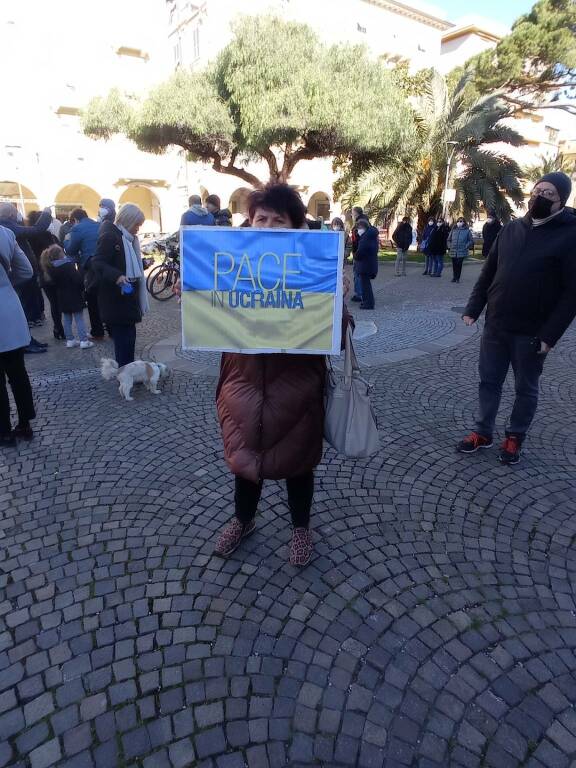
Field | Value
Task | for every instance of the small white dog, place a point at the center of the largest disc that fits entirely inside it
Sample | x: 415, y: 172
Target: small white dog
x: 138, y: 372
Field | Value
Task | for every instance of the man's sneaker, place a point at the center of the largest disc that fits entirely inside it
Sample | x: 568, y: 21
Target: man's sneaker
x: 33, y: 349
x: 86, y: 344
x: 232, y: 535
x: 473, y: 443
x: 356, y: 298
x: 23, y: 432
x: 510, y: 450
x: 301, y: 547
x: 72, y: 343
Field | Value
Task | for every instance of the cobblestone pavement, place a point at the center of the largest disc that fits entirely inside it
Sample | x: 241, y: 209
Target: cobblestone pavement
x: 435, y: 627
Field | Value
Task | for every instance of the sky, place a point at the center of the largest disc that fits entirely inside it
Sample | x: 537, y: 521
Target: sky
x: 504, y: 11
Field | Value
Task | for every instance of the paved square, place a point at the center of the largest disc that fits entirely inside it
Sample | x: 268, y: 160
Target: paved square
x: 435, y: 627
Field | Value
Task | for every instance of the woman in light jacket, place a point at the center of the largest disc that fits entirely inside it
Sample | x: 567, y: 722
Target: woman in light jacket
x: 460, y: 241
x: 14, y: 336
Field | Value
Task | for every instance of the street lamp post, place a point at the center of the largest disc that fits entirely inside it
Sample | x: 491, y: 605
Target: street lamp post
x: 454, y: 144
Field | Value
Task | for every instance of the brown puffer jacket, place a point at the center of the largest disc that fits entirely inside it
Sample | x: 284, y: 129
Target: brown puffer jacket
x: 271, y: 410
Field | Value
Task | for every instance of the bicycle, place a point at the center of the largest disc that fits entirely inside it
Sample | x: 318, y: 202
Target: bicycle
x: 163, y: 277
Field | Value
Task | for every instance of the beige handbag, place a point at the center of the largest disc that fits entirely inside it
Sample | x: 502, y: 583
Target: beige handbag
x: 349, y: 421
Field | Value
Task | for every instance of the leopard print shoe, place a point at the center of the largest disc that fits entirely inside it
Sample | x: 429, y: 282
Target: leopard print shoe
x: 231, y: 536
x: 301, y: 547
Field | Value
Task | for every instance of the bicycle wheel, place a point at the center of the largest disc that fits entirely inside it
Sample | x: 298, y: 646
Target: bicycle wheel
x: 162, y: 283
x: 150, y: 275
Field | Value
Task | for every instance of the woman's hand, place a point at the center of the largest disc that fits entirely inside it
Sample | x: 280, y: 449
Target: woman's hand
x: 122, y: 280
x: 177, y: 288
x: 468, y: 320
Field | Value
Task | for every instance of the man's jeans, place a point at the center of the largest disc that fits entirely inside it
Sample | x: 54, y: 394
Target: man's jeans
x: 438, y: 265
x: 499, y: 350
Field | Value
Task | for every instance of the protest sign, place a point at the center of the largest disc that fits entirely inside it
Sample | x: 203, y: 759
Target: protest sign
x: 261, y: 290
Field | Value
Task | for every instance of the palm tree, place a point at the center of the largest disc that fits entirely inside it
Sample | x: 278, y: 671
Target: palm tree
x: 414, y: 177
x: 549, y: 164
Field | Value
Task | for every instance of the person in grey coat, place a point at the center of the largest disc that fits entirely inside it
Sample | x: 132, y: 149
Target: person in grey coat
x: 460, y: 241
x: 14, y: 337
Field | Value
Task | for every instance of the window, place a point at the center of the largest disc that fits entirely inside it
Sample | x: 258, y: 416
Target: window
x: 360, y: 28
x: 196, y: 42
x: 552, y: 134
x: 177, y: 53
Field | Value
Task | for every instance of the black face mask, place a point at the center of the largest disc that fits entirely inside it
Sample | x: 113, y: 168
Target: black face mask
x: 540, y: 207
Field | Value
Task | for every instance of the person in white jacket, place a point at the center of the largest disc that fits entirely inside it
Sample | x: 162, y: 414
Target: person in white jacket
x: 14, y: 336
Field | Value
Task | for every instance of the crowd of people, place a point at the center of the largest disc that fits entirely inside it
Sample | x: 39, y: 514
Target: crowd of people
x: 270, y: 406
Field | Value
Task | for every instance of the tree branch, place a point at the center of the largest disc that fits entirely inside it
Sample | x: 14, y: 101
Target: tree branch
x: 523, y: 105
x: 231, y: 170
x: 291, y: 160
x: 270, y: 158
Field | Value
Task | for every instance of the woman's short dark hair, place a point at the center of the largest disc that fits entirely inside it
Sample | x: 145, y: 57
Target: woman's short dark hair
x: 338, y: 222
x: 280, y: 198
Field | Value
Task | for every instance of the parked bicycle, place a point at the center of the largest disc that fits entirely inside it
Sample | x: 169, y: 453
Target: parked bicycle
x: 162, y: 278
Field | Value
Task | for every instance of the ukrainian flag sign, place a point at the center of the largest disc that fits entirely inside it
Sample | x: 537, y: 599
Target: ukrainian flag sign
x: 261, y: 290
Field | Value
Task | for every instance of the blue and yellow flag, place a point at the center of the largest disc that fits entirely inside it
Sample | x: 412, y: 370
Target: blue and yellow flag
x: 261, y: 290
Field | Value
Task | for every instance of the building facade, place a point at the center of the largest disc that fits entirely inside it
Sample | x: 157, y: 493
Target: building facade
x: 65, y: 57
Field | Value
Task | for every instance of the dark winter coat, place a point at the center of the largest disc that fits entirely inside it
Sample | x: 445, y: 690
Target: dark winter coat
x: 438, y: 240
x: 366, y: 256
x: 528, y: 281
x: 489, y: 234
x: 425, y: 239
x: 271, y: 411
x: 402, y: 236
x: 69, y: 284
x: 39, y: 243
x: 108, y: 264
x: 198, y: 216
x: 223, y: 218
x: 23, y: 233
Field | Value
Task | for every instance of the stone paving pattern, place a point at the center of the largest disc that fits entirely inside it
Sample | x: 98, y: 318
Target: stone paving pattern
x: 435, y: 627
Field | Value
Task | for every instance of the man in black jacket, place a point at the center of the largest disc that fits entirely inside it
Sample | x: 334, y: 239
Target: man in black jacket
x: 402, y: 239
x: 528, y: 284
x: 490, y: 232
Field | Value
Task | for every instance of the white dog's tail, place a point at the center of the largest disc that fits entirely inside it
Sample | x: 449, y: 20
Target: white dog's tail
x: 109, y: 368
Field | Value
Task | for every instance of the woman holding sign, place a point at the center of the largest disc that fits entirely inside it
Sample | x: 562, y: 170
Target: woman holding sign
x: 271, y: 410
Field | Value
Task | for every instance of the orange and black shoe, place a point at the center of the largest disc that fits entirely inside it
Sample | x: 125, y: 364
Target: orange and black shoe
x: 474, y: 442
x: 511, y: 449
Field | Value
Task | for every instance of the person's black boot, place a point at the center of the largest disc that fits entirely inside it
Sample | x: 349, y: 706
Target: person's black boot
x: 23, y: 431
x: 7, y: 440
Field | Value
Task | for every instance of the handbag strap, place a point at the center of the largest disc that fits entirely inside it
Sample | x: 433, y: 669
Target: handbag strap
x: 350, y: 360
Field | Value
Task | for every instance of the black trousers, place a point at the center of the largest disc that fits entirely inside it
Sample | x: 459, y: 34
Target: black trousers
x: 55, y: 311
x: 498, y: 351
x: 300, y: 493
x: 457, y: 268
x: 124, y: 338
x: 31, y: 298
x: 96, y: 326
x: 367, y: 292
x: 12, y: 368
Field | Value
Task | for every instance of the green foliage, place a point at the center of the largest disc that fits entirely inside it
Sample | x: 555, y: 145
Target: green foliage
x: 537, y: 57
x: 414, y: 176
x: 274, y: 93
x: 548, y: 165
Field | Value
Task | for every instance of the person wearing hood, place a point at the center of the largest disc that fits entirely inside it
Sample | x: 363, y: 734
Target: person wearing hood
x: 106, y: 210
x: 196, y: 214
x: 222, y: 216
x: 528, y: 284
x: 490, y: 232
